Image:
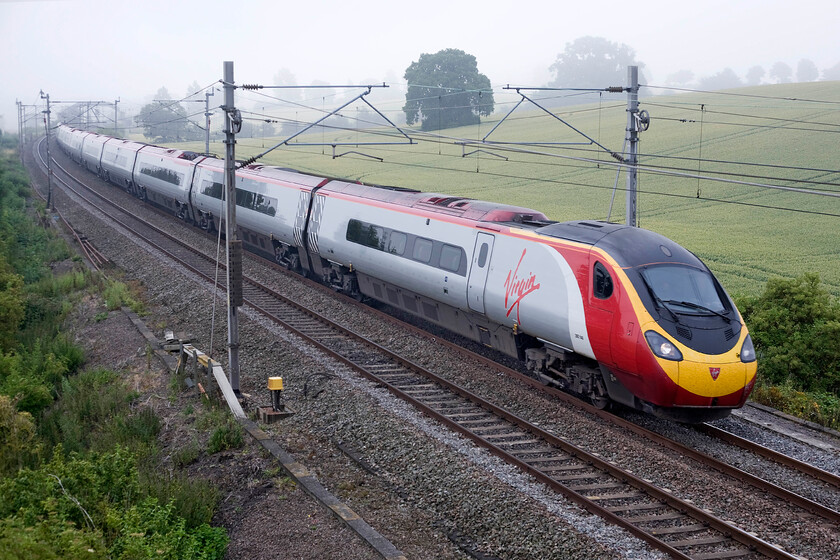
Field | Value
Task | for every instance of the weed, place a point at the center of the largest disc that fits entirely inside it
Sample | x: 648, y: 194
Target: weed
x: 186, y: 455
x: 227, y: 436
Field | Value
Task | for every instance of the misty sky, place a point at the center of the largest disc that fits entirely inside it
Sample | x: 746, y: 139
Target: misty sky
x: 102, y: 50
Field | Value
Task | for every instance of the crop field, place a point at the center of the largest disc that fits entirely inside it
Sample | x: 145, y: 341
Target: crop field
x: 710, y: 168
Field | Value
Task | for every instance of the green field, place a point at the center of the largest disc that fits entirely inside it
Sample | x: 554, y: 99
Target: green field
x: 735, y: 228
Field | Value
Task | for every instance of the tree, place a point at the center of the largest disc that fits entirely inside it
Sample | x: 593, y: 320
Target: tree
x: 725, y: 79
x: 806, y: 71
x: 284, y: 77
x: 193, y: 88
x: 781, y: 72
x: 165, y: 121
x: 594, y: 62
x: 832, y: 73
x: 680, y: 78
x: 446, y: 89
x: 754, y: 75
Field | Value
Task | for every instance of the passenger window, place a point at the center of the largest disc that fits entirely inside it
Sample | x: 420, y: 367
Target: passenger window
x: 602, y: 282
x: 422, y: 250
x: 396, y: 243
x: 450, y: 258
x: 482, y: 255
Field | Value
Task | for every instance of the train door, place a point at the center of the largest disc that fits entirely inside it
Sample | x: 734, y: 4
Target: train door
x: 478, y: 271
x: 603, y: 303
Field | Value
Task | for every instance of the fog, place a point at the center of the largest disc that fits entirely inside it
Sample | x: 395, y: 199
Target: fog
x: 104, y: 50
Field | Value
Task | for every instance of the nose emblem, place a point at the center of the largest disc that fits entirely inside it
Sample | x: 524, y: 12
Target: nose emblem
x: 715, y: 371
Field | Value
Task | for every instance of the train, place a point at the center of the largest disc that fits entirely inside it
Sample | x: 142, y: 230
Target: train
x: 612, y: 313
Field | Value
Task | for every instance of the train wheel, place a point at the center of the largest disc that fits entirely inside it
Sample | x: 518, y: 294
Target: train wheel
x: 599, y: 397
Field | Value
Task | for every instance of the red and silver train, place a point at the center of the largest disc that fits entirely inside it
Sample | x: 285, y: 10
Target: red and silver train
x: 610, y: 312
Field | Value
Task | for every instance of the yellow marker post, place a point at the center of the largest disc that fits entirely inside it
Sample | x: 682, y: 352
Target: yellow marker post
x: 275, y: 385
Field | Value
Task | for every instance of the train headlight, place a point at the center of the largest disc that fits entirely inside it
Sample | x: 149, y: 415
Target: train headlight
x: 748, y: 351
x: 662, y: 347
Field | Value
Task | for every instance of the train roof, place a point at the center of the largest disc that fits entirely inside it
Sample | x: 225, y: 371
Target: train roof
x: 629, y: 246
x: 456, y: 206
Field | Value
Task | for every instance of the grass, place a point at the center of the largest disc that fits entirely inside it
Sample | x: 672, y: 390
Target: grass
x: 821, y: 408
x: 735, y: 228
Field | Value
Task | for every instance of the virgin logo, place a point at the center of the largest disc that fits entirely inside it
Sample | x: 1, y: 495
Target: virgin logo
x: 517, y: 288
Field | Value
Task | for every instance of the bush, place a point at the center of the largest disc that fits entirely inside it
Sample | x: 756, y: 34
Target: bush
x: 76, y: 489
x: 18, y: 444
x: 50, y: 539
x: 795, y: 325
x: 12, y: 307
x: 821, y: 408
x: 151, y: 530
x: 194, y: 499
x: 87, y: 402
x: 226, y: 436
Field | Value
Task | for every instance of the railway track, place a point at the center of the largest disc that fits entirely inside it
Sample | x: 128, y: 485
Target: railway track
x: 653, y: 514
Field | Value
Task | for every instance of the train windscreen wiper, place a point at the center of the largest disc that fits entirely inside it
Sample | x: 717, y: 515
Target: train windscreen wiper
x: 699, y: 307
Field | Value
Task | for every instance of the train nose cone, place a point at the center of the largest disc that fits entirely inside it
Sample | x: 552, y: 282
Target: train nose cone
x: 710, y: 382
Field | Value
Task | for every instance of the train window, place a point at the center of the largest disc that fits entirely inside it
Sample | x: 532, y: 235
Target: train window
x: 244, y: 198
x: 162, y: 173
x: 212, y: 189
x: 482, y: 255
x: 450, y: 258
x: 685, y: 289
x: 396, y: 243
x: 602, y: 282
x: 366, y: 234
x: 422, y: 250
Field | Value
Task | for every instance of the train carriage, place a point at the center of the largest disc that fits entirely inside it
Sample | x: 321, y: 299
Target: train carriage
x: 271, y: 211
x: 164, y: 177
x: 92, y: 152
x: 118, y: 157
x: 72, y: 142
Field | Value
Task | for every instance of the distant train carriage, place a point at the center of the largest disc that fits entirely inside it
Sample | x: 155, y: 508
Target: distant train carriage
x: 164, y: 177
x: 92, y: 152
x: 118, y: 157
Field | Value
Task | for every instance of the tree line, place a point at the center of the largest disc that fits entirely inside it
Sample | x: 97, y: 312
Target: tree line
x: 446, y: 89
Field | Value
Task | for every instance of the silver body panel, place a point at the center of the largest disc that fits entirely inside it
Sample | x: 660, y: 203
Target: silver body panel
x: 118, y: 158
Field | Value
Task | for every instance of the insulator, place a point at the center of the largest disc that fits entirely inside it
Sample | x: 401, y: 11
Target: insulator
x: 615, y: 89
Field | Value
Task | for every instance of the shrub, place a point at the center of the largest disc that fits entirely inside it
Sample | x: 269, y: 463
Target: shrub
x: 151, y: 530
x: 186, y: 455
x: 194, y: 499
x: 795, y: 325
x: 18, y: 444
x: 822, y: 408
x: 49, y: 539
x: 226, y: 436
x: 12, y: 307
x: 87, y: 402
